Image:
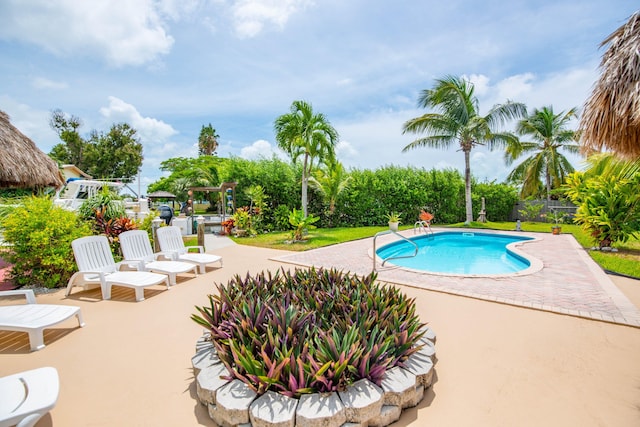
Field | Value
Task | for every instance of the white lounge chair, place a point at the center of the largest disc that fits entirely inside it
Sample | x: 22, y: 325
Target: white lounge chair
x: 27, y: 396
x: 96, y: 265
x: 171, y: 243
x: 34, y: 318
x: 137, y: 253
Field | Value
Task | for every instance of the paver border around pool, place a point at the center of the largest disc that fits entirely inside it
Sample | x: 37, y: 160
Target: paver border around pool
x: 534, y: 263
x: 569, y: 283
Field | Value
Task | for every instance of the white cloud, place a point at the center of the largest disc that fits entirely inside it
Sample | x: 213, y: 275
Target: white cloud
x: 344, y: 150
x: 123, y: 32
x: 261, y: 149
x: 251, y: 16
x: 155, y: 136
x: 31, y: 122
x: 43, y: 83
x: 151, y: 131
x: 480, y: 83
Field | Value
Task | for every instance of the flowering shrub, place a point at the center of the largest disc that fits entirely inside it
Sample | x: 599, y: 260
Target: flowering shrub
x: 310, y: 330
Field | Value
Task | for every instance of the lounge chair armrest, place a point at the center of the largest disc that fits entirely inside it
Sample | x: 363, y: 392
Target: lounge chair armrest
x: 138, y: 264
x: 165, y: 255
x: 100, y: 273
x: 28, y: 293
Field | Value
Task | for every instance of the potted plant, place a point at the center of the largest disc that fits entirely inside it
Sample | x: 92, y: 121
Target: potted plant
x: 227, y: 225
x: 394, y: 220
x: 558, y: 218
x: 242, y: 220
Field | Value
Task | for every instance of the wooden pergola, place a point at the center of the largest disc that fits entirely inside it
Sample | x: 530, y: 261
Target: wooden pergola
x: 227, y: 205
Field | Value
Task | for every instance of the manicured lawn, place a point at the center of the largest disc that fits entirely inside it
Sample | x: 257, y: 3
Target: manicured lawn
x: 626, y: 261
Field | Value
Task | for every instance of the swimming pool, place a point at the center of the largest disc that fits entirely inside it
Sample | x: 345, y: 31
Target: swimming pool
x: 464, y: 253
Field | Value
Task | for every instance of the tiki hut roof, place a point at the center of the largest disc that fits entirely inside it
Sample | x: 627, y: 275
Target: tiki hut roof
x: 611, y: 117
x: 23, y: 164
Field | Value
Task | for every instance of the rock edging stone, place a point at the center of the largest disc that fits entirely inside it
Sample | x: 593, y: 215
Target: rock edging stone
x: 363, y: 403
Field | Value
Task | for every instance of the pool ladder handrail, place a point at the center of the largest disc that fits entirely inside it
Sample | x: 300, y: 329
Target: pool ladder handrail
x: 381, y: 233
x: 423, y: 227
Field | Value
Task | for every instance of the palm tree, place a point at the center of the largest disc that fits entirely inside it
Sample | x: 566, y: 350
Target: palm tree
x: 546, y: 167
x: 459, y: 121
x: 330, y: 181
x: 208, y: 141
x: 303, y: 133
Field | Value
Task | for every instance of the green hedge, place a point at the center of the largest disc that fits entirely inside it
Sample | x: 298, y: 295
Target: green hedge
x: 370, y: 196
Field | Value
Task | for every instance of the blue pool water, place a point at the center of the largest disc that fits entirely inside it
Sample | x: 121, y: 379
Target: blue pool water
x: 458, y: 253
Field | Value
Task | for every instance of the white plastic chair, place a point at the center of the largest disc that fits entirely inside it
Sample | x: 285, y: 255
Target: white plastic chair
x: 27, y: 396
x: 137, y: 253
x: 34, y: 318
x: 96, y: 265
x: 171, y: 243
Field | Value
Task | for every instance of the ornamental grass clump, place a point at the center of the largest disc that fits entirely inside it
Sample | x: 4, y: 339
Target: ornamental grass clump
x: 309, y: 331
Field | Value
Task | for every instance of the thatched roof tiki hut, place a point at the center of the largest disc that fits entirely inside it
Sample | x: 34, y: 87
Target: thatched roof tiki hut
x: 611, y: 117
x: 22, y: 164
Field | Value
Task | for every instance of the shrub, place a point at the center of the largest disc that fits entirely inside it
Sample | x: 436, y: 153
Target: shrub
x: 301, y: 224
x: 106, y: 202
x: 531, y: 211
x: 608, y: 207
x: 41, y: 234
x: 310, y: 330
x: 106, y: 214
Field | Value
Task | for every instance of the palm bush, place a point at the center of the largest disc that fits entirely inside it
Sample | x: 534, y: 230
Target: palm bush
x: 310, y: 330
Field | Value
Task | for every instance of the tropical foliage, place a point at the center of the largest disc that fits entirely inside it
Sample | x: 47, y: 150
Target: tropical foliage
x: 364, y: 201
x: 330, y: 181
x: 106, y: 214
x: 300, y: 223
x: 609, y: 202
x: 546, y: 167
x: 310, y: 330
x: 458, y: 121
x: 40, y: 235
x: 303, y: 133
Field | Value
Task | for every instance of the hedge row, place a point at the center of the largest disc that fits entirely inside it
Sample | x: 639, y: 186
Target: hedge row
x: 372, y: 194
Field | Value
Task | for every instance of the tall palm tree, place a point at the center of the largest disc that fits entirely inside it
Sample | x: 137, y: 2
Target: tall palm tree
x: 208, y: 141
x: 459, y: 121
x: 546, y: 167
x: 303, y: 133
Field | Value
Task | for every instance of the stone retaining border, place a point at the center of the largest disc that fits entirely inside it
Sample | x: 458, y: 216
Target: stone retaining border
x: 234, y: 404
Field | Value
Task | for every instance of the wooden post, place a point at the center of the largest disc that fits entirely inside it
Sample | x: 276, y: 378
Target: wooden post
x: 200, y: 220
x: 155, y: 224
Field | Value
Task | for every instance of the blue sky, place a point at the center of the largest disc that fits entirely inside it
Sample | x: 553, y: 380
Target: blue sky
x: 167, y: 67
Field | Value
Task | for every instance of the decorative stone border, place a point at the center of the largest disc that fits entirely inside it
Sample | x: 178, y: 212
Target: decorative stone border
x: 234, y: 404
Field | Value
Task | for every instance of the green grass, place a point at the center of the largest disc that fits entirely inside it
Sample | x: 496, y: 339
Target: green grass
x: 626, y: 261
x: 316, y: 238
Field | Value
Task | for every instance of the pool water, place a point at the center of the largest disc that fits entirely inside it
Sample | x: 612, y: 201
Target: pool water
x: 458, y: 253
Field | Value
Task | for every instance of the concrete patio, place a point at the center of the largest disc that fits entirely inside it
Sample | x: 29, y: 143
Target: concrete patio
x: 499, y: 364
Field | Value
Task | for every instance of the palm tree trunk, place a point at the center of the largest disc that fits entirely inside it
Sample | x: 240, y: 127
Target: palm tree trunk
x: 305, y: 182
x: 467, y: 187
x: 548, y: 183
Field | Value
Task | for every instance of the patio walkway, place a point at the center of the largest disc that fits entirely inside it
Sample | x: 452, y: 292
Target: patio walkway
x: 570, y: 282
